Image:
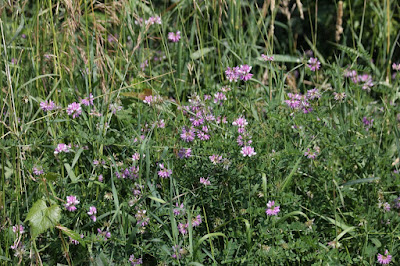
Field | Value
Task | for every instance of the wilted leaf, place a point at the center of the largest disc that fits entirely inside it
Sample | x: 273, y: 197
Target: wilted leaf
x: 139, y: 95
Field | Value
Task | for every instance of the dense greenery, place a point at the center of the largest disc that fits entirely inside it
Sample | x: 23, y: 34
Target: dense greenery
x: 199, y: 132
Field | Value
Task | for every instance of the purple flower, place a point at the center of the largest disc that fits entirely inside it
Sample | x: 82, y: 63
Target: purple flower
x: 267, y: 58
x: 104, y: 234
x: 144, y: 64
x: 312, y: 154
x: 134, y: 261
x: 92, y: 211
x: 339, y: 96
x: 272, y: 209
x: 196, y: 221
x: 384, y: 259
x: 232, y: 74
x: 151, y: 100
x: 62, y: 147
x: 367, y: 123
x: 205, y: 181
x: 187, y: 135
x: 18, y: 229
x: 240, y: 122
x: 184, y: 153
x: 37, y: 170
x: 219, y: 97
x: 114, y: 108
x: 164, y: 172
x: 244, y: 72
x: 313, y: 94
x: 248, y: 151
x: 313, y: 64
x: 88, y: 100
x: 74, y: 109
x: 180, y: 209
x: 396, y: 67
x: 141, y: 218
x: 48, y: 106
x: 215, y: 158
x: 71, y: 203
x: 177, y: 252
x: 183, y: 228
x: 174, y: 37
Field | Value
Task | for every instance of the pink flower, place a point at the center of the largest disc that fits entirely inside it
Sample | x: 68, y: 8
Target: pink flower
x: 215, y: 158
x: 240, y: 122
x: 205, y: 181
x: 396, y: 67
x: 187, y: 135
x: 174, y: 37
x: 164, y: 172
x: 272, y: 209
x: 248, y: 151
x: 74, y: 109
x: 92, y: 211
x: 18, y: 229
x: 267, y: 58
x: 48, y: 106
x: 88, y: 100
x: 71, y: 202
x: 62, y: 147
x: 183, y: 228
x: 180, y: 209
x: 134, y: 261
x: 37, y: 170
x: 196, y: 221
x: 184, y: 153
x: 232, y: 74
x: 313, y: 64
x: 384, y: 259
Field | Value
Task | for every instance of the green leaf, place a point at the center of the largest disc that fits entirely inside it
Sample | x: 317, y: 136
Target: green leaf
x: 201, y: 52
x: 51, y: 176
x: 41, y: 218
x: 360, y: 181
x: 71, y: 173
x: 72, y: 234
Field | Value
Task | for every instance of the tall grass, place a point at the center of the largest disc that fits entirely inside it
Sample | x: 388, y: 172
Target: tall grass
x: 338, y: 205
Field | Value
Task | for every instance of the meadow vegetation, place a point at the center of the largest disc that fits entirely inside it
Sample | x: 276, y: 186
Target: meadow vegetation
x: 213, y: 132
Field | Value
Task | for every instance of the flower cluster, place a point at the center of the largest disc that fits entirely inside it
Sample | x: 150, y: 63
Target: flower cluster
x: 244, y: 138
x: 196, y: 221
x: 62, y: 147
x: 312, y: 154
x: 364, y: 80
x: 205, y: 181
x: 130, y: 172
x: 272, y: 208
x: 239, y: 72
x: 48, y: 106
x: 152, y: 100
x: 37, y: 170
x: 72, y: 201
x: 105, y: 234
x: 367, y: 123
x: 88, y: 100
x: 150, y: 21
x: 74, y: 109
x: 184, y: 153
x: 267, y: 58
x: 396, y: 67
x: 135, y: 261
x: 174, y: 37
x: 164, y: 172
x: 314, y: 64
x: 92, y: 211
x: 180, y: 209
x: 298, y: 101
